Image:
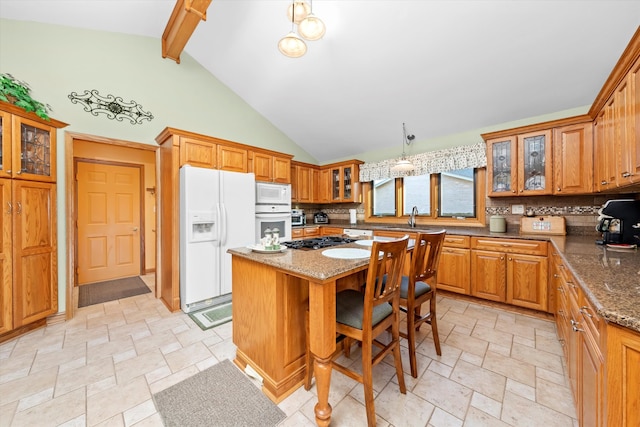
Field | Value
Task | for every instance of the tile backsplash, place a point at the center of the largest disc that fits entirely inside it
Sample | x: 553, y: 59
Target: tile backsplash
x: 580, y: 212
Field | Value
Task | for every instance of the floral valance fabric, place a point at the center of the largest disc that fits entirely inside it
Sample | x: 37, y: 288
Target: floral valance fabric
x: 461, y: 157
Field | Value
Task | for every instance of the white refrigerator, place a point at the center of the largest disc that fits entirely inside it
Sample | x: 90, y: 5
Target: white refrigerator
x: 217, y: 212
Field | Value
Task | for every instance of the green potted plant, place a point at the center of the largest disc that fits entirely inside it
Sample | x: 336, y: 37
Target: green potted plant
x: 17, y: 93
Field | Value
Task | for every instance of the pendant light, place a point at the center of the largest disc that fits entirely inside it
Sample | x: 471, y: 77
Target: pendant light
x: 311, y: 27
x: 298, y: 10
x: 291, y: 45
x: 403, y: 165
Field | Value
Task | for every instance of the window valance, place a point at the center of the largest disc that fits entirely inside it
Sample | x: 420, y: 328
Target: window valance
x: 461, y: 157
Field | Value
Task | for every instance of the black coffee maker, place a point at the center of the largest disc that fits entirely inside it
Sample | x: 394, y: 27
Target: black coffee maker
x: 619, y: 222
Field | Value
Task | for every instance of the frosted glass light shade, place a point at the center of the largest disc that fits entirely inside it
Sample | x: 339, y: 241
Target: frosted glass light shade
x: 292, y: 46
x: 311, y: 28
x: 403, y: 165
x: 298, y: 10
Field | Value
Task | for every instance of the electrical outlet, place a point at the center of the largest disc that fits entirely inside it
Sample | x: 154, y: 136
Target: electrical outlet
x: 517, y: 209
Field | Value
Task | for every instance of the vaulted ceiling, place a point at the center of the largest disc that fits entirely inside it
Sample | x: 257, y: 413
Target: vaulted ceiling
x: 440, y: 66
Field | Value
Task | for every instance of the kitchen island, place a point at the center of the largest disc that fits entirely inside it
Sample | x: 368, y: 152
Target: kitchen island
x: 272, y: 291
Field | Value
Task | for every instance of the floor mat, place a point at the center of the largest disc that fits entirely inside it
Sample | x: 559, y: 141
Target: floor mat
x: 212, y: 316
x: 111, y: 290
x: 218, y: 396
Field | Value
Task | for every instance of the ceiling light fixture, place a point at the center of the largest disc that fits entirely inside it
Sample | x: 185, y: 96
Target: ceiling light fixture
x: 310, y: 28
x: 404, y: 165
x: 291, y: 45
x: 298, y: 10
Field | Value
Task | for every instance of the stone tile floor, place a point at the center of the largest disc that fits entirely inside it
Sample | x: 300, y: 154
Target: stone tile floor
x: 498, y: 368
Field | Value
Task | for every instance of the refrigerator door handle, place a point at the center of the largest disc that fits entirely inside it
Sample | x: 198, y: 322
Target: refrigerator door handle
x: 222, y: 223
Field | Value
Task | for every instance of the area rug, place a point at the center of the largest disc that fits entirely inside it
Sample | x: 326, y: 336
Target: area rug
x: 111, y: 290
x: 212, y: 316
x: 220, y: 396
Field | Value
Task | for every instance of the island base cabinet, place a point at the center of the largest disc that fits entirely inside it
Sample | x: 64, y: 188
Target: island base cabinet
x: 268, y: 325
x: 623, y: 377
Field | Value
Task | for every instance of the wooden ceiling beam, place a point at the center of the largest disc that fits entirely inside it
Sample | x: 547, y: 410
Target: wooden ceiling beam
x: 183, y: 21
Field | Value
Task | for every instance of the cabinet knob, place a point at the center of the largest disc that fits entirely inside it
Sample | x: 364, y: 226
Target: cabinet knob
x: 501, y: 258
x: 559, y: 189
x: 603, y: 182
x: 626, y: 174
x: 9, y: 208
x: 513, y: 191
x: 9, y: 171
x: 510, y: 259
x: 19, y: 208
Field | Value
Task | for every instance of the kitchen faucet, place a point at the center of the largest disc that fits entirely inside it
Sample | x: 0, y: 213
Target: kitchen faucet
x: 412, y: 217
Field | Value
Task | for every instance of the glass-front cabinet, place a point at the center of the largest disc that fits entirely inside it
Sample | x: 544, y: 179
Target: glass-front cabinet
x: 343, y: 182
x: 28, y: 148
x: 520, y: 165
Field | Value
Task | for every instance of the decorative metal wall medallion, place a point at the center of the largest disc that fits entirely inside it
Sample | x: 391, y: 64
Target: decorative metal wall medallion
x: 113, y: 106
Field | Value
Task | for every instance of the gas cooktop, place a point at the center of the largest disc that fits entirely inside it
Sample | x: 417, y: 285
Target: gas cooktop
x: 317, y: 242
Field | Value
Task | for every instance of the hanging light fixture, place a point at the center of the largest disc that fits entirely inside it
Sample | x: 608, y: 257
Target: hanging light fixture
x: 298, y: 10
x: 404, y: 165
x: 311, y: 27
x: 291, y: 45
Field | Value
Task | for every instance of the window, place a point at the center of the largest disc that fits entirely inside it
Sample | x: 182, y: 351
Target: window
x: 440, y: 198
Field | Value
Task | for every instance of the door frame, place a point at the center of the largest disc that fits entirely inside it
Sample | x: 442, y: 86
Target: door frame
x: 141, y: 235
x: 70, y: 205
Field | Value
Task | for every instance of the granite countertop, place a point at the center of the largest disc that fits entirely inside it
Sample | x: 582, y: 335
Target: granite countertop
x: 610, y: 279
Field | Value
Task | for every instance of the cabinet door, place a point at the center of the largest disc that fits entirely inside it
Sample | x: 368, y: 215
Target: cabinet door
x: 488, y: 275
x: 502, y: 167
x: 454, y: 270
x: 263, y: 167
x: 347, y: 183
x: 527, y: 281
x: 323, y: 186
x: 294, y: 183
x: 573, y: 159
x: 623, y: 377
x: 628, y: 121
x: 534, y: 164
x: 336, y: 184
x: 281, y: 170
x: 5, y: 144
x: 6, y: 297
x: 305, y: 184
x: 604, y: 167
x: 35, y: 268
x: 232, y: 159
x: 33, y: 150
x: 197, y: 153
x: 590, y: 365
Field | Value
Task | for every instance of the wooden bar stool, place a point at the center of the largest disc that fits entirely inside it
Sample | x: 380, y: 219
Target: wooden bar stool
x: 415, y: 291
x: 364, y: 316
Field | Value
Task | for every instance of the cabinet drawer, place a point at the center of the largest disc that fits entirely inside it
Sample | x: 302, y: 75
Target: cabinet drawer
x: 452, y: 241
x: 297, y: 232
x: 591, y: 321
x: 312, y: 231
x: 331, y: 231
x: 516, y: 246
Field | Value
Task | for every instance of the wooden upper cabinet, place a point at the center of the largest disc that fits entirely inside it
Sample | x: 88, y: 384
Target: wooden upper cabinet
x: 198, y: 153
x: 604, y: 157
x: 627, y: 120
x: 322, y: 181
x: 271, y: 168
x: 302, y: 187
x: 28, y: 145
x: 232, y: 159
x: 520, y: 165
x: 343, y: 181
x: 573, y: 159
